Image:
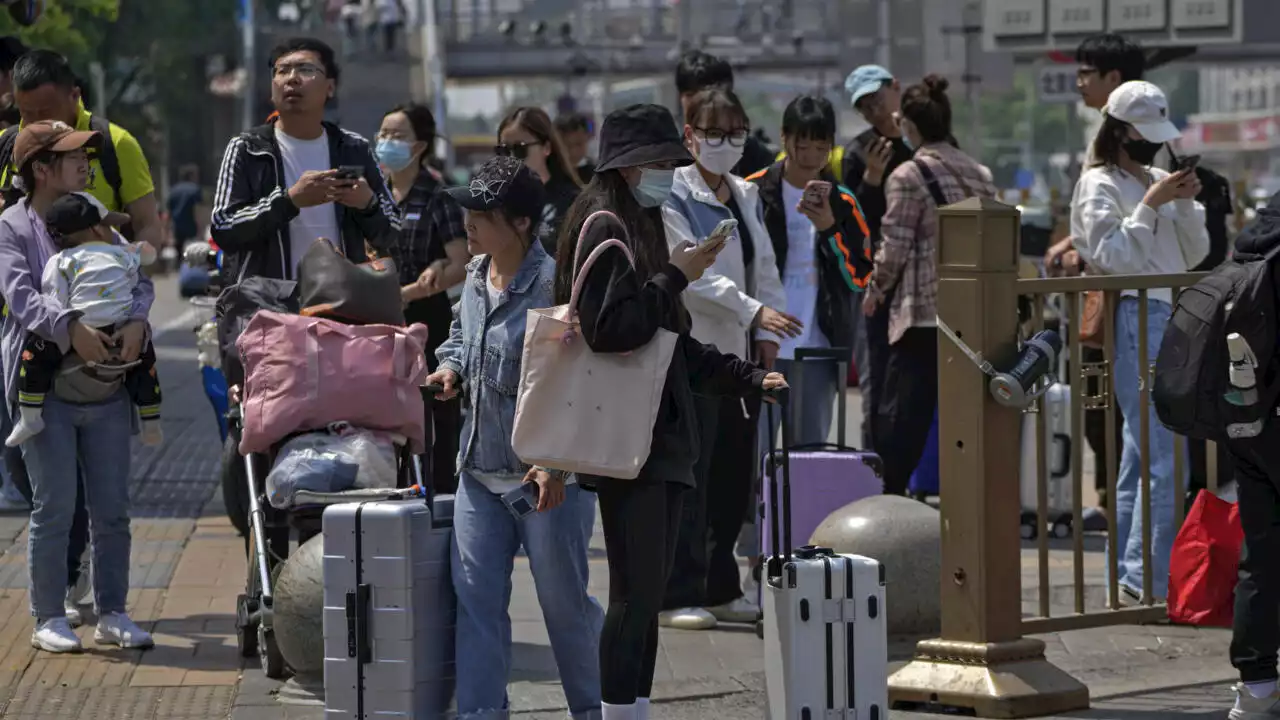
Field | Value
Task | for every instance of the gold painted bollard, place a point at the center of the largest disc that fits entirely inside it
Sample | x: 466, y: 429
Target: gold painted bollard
x: 981, y: 662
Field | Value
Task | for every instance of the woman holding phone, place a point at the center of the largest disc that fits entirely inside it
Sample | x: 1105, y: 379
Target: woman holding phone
x: 737, y: 306
x: 502, y: 504
x: 819, y: 242
x: 621, y: 307
x: 1131, y: 218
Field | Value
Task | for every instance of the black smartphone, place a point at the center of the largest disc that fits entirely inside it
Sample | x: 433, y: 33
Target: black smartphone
x: 350, y: 172
x: 523, y: 501
x: 1188, y: 163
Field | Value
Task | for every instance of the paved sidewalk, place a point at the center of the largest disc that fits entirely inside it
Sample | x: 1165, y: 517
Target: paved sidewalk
x: 188, y: 567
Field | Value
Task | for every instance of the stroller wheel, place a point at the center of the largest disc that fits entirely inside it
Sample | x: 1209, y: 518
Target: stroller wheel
x: 246, y: 634
x: 269, y: 654
x: 235, y: 487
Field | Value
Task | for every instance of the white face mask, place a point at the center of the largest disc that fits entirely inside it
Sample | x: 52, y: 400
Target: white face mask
x: 718, y: 159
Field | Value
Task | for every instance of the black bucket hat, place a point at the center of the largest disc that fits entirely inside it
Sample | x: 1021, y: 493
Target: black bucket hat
x: 640, y: 135
x: 503, y: 182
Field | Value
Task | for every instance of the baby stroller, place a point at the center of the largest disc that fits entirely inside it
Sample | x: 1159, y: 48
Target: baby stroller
x: 270, y: 529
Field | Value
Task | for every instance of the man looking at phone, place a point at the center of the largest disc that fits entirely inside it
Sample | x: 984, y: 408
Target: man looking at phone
x: 330, y: 187
x: 819, y: 239
x: 869, y: 160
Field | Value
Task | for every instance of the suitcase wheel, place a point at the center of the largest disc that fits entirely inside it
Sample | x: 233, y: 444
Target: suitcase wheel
x: 246, y: 638
x: 1061, y: 528
x: 1028, y: 530
x: 269, y: 654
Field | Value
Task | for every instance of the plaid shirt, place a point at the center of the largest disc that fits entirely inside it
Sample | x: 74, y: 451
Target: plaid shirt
x: 429, y: 219
x: 906, y: 261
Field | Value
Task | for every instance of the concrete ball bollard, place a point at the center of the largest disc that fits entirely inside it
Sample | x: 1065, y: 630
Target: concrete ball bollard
x: 905, y: 536
x: 299, y: 609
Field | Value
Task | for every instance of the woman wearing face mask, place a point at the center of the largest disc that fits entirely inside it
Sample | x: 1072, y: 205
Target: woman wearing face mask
x: 528, y: 134
x: 431, y: 255
x: 1129, y: 218
x: 737, y: 307
x: 511, y: 275
x: 621, y: 308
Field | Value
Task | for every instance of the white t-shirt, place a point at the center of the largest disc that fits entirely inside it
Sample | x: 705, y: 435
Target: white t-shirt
x: 318, y: 221
x: 800, y: 275
x: 495, y: 294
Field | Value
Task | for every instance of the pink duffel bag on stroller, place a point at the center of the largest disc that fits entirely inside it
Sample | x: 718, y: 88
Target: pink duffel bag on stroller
x: 303, y: 373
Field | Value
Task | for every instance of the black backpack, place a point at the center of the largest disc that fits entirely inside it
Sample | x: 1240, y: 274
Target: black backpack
x: 1191, y: 380
x: 106, y: 158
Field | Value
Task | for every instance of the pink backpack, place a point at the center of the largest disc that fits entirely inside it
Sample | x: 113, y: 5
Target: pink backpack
x: 304, y: 373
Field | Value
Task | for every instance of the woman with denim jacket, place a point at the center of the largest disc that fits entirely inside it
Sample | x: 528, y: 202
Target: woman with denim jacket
x: 510, y: 275
x: 621, y: 308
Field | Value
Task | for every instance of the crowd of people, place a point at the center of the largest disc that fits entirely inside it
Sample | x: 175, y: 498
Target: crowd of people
x: 834, y: 247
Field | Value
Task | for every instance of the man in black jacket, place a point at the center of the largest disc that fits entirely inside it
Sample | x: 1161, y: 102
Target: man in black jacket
x: 869, y: 160
x: 699, y: 71
x: 286, y: 184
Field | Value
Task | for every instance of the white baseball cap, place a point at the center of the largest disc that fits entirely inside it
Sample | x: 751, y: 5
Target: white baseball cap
x: 1143, y: 106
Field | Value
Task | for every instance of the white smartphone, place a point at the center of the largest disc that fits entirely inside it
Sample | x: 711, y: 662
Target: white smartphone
x: 723, y: 230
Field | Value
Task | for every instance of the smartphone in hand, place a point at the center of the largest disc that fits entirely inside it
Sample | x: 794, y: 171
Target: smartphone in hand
x: 723, y: 231
x: 350, y: 172
x: 1188, y: 163
x: 816, y: 192
x: 523, y: 501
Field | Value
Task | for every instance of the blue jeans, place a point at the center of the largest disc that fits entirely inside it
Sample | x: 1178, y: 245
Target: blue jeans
x: 96, y: 438
x: 486, y: 538
x: 1128, y: 500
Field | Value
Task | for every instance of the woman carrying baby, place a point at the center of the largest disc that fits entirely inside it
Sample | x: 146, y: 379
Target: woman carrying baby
x: 52, y: 161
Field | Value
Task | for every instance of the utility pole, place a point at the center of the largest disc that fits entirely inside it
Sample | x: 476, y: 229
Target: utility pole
x: 433, y: 73
x: 884, y: 41
x: 972, y: 29
x: 249, y: 32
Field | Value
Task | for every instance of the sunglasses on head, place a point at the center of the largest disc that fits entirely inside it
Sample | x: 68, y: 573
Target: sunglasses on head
x: 519, y: 151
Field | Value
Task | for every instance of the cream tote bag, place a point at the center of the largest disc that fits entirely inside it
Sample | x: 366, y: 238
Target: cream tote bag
x: 581, y: 411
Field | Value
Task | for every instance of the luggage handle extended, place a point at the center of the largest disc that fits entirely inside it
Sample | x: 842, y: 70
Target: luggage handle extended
x: 840, y: 356
x: 781, y: 398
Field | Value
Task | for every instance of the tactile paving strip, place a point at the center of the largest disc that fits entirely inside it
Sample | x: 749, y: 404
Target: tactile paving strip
x: 119, y: 703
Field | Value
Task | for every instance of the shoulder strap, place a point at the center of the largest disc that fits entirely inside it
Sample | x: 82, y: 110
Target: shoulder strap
x: 107, y: 157
x: 931, y: 181
x: 7, y: 139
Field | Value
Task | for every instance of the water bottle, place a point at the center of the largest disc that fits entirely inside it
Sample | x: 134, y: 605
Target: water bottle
x: 1244, y: 384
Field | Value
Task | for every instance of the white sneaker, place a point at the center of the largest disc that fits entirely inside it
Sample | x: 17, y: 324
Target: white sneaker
x: 74, y: 617
x: 1248, y: 707
x: 55, y: 636
x: 687, y: 619
x: 118, y: 629
x: 742, y: 610
x: 82, y: 592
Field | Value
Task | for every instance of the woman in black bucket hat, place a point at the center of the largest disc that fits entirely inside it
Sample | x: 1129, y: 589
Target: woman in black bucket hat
x: 621, y: 307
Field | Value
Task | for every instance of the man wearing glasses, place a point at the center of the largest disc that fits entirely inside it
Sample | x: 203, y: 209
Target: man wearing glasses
x: 286, y: 184
x: 869, y: 160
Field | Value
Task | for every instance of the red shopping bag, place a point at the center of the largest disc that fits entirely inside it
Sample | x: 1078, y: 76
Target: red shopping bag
x: 1206, y: 556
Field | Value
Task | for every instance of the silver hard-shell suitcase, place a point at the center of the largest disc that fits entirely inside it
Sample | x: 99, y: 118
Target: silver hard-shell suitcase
x: 1057, y: 466
x: 826, y: 643
x: 389, y: 609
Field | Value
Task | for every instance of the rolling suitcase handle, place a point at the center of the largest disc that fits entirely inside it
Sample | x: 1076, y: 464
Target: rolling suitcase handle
x: 781, y: 554
x: 839, y: 356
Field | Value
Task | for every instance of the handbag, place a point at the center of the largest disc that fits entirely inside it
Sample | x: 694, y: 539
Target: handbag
x: 331, y: 286
x: 78, y: 384
x: 1092, y: 319
x: 236, y: 306
x: 1204, y: 562
x: 303, y: 374
x: 578, y: 410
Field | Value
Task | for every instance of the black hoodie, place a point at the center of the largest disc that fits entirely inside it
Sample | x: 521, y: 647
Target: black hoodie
x: 1262, y: 234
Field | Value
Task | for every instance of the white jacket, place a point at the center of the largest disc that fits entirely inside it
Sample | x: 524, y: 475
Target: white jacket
x: 724, y: 302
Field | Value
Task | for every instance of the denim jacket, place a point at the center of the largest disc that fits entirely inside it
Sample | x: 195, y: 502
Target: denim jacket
x: 484, y: 348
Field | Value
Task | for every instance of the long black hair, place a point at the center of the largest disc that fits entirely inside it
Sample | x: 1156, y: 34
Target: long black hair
x: 1109, y: 142
x: 646, y: 234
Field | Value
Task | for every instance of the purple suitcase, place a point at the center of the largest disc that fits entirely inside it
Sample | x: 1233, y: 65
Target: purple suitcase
x: 824, y: 476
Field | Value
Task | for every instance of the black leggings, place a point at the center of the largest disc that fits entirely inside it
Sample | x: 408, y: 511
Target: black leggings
x: 640, y: 520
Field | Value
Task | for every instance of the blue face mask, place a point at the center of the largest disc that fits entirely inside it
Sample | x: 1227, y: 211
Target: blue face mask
x: 394, y: 155
x: 654, y: 187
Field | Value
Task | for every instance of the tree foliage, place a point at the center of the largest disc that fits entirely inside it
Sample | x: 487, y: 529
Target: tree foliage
x: 72, y: 27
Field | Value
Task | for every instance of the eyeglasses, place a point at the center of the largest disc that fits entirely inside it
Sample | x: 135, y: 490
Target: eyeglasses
x: 1086, y: 71
x: 519, y: 151
x: 715, y: 138
x: 306, y: 71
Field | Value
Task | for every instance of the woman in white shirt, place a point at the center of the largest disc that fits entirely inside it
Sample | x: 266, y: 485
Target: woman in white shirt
x: 1128, y: 218
x: 736, y: 306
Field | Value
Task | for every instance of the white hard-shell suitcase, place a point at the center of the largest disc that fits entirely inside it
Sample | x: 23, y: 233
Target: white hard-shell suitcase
x: 389, y: 609
x: 826, y: 642
x: 1057, y: 464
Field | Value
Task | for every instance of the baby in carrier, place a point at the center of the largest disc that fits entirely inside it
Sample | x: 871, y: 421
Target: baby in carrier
x: 95, y: 273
